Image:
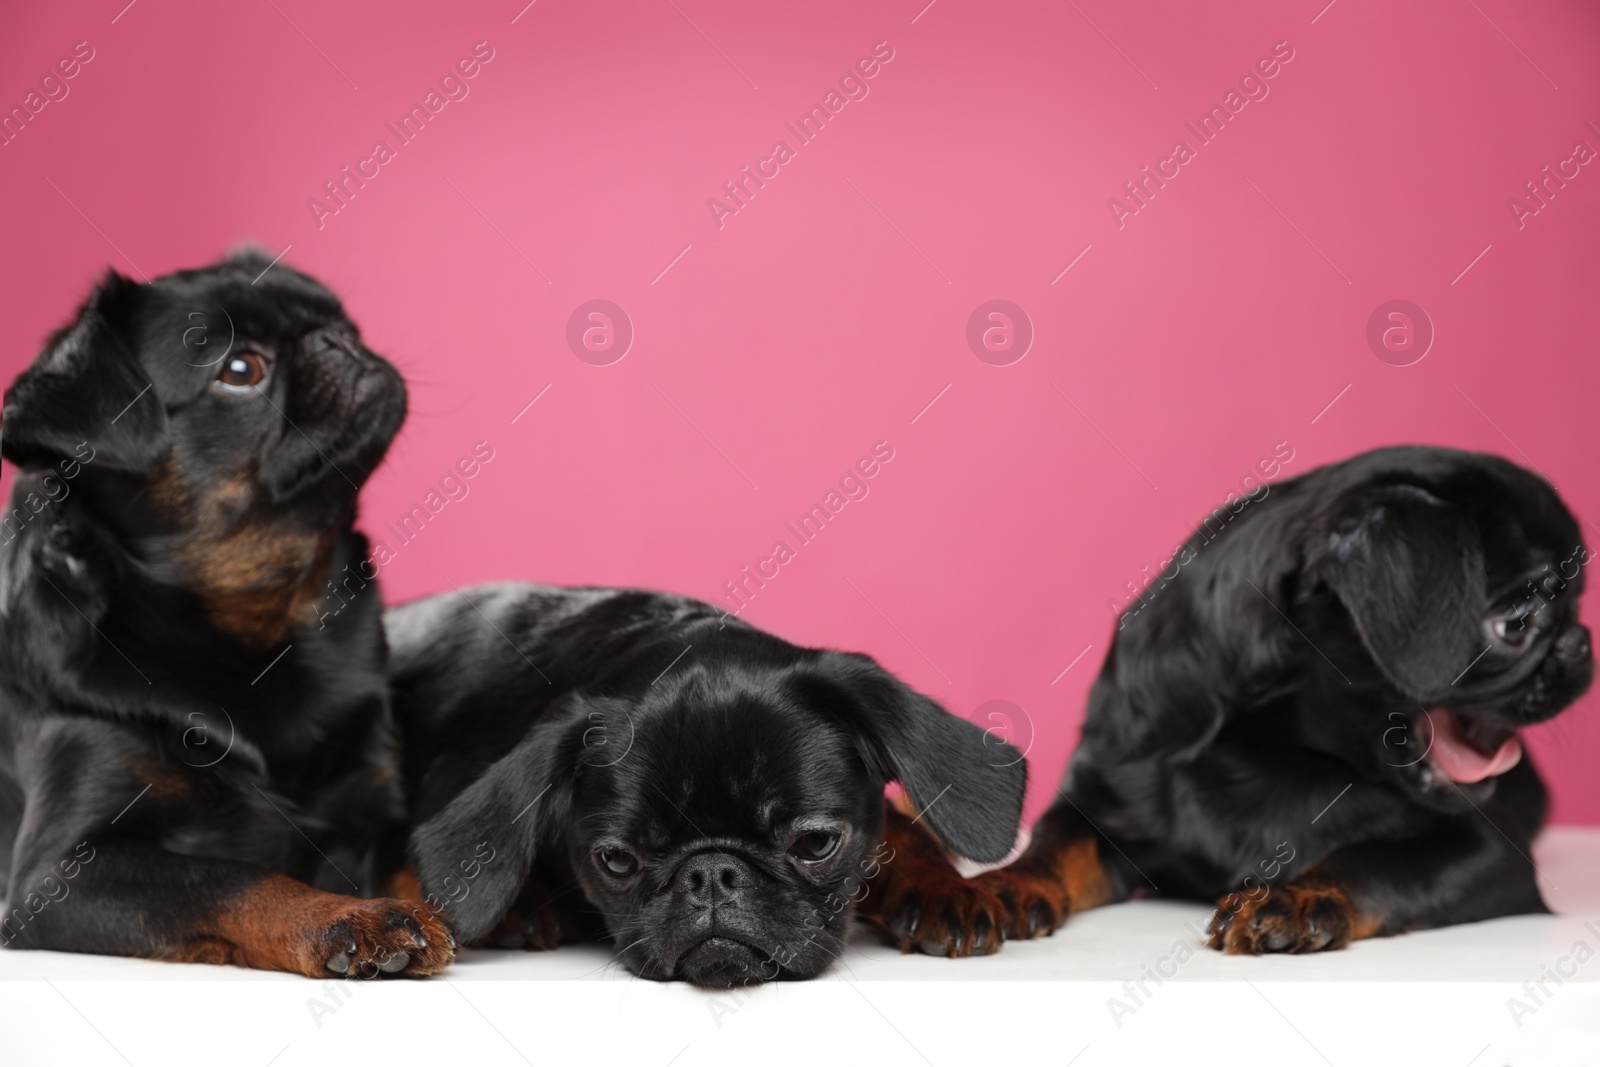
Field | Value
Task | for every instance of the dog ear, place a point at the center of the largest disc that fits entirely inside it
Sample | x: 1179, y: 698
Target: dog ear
x: 1409, y: 569
x: 87, y: 386
x: 249, y: 255
x: 965, y: 781
x: 509, y: 810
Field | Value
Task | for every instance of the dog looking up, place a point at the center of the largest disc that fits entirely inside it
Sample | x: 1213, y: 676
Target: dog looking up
x: 180, y: 734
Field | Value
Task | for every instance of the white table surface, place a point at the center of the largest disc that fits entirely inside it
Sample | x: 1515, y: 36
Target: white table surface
x: 1438, y: 996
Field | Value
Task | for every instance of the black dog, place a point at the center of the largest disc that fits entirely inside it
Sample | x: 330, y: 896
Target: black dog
x: 192, y: 737
x: 1315, y: 719
x: 714, y: 792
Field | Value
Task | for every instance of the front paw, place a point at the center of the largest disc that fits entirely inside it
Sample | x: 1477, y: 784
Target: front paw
x: 1033, y: 906
x: 941, y: 914
x: 1286, y: 918
x: 373, y: 938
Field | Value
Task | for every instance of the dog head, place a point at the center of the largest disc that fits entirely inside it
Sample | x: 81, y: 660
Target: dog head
x: 1460, y: 581
x: 222, y: 419
x: 723, y: 822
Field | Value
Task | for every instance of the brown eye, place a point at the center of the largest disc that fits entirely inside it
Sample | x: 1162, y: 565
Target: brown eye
x: 243, y: 370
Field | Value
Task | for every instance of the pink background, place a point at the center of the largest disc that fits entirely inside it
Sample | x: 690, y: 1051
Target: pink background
x: 1220, y: 320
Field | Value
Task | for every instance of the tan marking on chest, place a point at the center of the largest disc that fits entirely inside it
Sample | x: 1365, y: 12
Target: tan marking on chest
x: 258, y: 574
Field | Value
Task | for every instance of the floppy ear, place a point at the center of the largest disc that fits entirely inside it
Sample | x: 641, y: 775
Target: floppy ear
x: 1409, y: 569
x: 966, y: 782
x: 87, y: 386
x: 510, y: 809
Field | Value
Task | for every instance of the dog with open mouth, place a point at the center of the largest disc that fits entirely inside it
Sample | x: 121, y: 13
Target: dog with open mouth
x: 196, y: 754
x: 1315, y: 721
x: 711, y: 794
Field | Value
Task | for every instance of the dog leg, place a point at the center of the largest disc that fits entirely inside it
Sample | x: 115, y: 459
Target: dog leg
x: 1060, y: 873
x: 129, y: 899
x: 924, y: 902
x: 1380, y: 888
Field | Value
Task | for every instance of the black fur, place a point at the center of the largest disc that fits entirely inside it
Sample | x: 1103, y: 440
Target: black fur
x: 176, y: 682
x: 544, y: 726
x: 1294, y: 654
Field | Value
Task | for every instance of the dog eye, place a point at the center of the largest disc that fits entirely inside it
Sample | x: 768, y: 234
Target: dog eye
x: 243, y: 370
x: 815, y: 846
x: 1513, y: 630
x: 619, y: 861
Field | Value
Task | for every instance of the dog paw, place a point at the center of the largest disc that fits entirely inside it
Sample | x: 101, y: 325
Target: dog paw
x: 943, y: 915
x: 1032, y: 906
x: 379, y: 938
x: 1288, y: 918
x: 535, y: 923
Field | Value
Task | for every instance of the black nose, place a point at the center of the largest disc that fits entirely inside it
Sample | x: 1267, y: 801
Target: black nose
x: 707, y: 879
x: 1573, y: 645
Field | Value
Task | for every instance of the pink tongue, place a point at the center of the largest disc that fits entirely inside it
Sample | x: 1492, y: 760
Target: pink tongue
x: 1453, y: 754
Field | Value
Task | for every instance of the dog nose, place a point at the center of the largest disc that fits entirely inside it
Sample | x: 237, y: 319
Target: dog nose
x: 707, y: 879
x: 1573, y: 646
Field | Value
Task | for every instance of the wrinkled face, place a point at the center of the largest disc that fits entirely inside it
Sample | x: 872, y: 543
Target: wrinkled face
x: 270, y: 396
x: 729, y: 842
x: 222, y: 419
x: 1534, y: 659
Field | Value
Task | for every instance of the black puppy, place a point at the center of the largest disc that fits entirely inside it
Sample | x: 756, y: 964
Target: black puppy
x: 714, y: 792
x: 1316, y: 718
x: 194, y: 732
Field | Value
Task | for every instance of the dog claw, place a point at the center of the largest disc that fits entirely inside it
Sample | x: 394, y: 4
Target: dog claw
x: 339, y: 962
x: 1038, y: 920
x: 957, y: 937
x: 1293, y: 918
x: 905, y: 920
x: 380, y: 938
x: 414, y: 928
